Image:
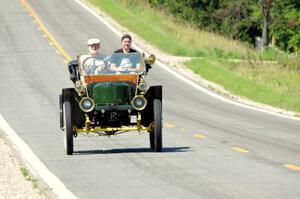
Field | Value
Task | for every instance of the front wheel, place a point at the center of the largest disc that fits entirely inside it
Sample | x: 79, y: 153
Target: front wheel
x: 68, y: 130
x: 157, y: 133
x: 151, y: 138
x: 61, y: 116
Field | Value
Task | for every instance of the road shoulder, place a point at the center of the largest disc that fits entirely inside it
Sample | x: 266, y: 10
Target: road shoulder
x: 16, y: 181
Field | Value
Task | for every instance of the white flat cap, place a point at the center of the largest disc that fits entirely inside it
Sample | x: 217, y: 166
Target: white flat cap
x: 93, y: 41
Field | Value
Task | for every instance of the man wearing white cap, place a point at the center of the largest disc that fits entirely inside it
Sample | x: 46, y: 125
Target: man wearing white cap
x: 96, y: 65
x: 94, y: 46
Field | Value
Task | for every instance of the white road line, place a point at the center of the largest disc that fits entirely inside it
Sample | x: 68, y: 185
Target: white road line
x: 34, y: 163
x: 183, y: 78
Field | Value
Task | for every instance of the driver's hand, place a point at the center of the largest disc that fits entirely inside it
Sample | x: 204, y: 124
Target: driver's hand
x: 99, y: 70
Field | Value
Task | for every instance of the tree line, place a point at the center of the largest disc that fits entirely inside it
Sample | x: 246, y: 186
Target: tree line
x: 274, y: 21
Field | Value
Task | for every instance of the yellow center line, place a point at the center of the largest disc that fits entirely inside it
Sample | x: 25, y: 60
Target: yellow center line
x: 292, y: 167
x: 183, y: 130
x: 44, y: 29
x: 240, y: 150
x: 169, y: 125
x: 199, y: 136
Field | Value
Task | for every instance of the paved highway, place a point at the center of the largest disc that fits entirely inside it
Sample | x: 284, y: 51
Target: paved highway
x: 213, y: 149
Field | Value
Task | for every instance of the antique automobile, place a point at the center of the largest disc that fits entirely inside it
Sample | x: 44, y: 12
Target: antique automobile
x: 110, y: 96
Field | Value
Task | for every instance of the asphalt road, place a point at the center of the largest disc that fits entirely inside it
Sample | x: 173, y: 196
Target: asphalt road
x: 212, y: 149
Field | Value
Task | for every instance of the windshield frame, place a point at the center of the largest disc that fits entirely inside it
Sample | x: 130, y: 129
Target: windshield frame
x: 102, y: 65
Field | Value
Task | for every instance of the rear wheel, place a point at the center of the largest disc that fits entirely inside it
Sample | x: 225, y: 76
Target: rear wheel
x: 157, y: 133
x: 68, y: 130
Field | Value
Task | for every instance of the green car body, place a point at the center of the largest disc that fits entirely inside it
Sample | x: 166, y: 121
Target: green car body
x: 110, y: 96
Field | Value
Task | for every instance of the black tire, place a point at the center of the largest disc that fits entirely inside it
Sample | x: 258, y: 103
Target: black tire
x: 151, y: 139
x: 68, y: 130
x: 61, y: 116
x: 157, y: 133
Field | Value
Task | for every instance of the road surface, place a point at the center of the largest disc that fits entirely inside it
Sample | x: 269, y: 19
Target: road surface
x: 212, y: 149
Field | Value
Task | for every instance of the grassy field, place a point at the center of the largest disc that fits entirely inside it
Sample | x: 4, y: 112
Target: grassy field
x: 275, y: 83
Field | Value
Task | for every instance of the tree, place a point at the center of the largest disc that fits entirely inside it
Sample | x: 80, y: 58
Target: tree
x: 265, y: 7
x: 285, y: 24
x: 243, y: 20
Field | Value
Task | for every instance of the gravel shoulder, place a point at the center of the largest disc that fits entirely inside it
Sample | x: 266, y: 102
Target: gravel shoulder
x: 15, y: 179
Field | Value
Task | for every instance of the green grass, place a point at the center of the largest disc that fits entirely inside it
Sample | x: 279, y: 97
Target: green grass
x: 174, y: 38
x: 28, y: 177
x: 141, y: 27
x: 276, y: 83
x: 254, y: 87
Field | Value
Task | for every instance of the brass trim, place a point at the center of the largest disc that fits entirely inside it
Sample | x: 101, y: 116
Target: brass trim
x: 151, y: 59
x: 139, y: 109
x: 89, y: 110
x: 111, y: 129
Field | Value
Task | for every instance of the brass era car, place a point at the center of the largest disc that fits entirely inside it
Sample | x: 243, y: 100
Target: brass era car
x: 110, y: 97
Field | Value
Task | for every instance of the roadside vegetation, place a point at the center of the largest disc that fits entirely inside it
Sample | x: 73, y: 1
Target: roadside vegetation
x: 271, y: 77
x: 25, y: 172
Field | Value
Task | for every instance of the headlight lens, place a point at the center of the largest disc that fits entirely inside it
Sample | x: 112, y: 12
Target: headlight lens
x: 139, y: 102
x: 86, y: 104
x: 142, y: 86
